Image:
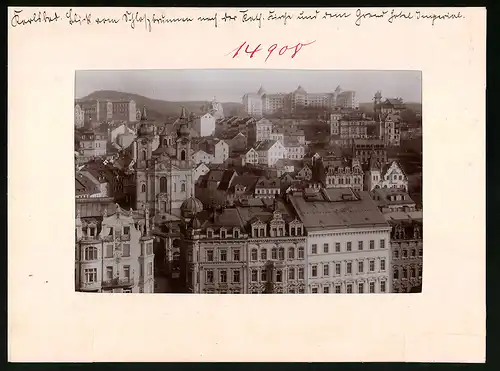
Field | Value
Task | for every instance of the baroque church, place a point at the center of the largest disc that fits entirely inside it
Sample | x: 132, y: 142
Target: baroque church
x: 164, y: 170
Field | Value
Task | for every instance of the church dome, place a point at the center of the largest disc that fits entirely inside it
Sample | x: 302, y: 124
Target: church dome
x: 191, y: 207
x: 184, y: 131
x: 145, y: 130
x: 195, y: 223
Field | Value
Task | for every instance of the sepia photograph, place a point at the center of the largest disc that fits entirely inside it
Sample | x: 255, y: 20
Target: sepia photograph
x: 248, y: 181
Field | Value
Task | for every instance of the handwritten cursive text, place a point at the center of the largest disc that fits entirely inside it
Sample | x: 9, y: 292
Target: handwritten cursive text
x: 37, y: 17
x: 280, y: 49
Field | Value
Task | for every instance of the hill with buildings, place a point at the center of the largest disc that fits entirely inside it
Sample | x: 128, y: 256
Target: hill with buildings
x: 160, y: 109
x: 414, y: 106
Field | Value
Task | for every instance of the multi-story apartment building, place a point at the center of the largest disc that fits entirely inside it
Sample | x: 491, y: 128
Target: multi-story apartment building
x: 262, y: 102
x: 218, y: 148
x: 106, y: 110
x: 347, y: 99
x: 393, y: 199
x: 367, y: 149
x: 201, y: 156
x: 390, y: 129
x: 294, y: 149
x: 91, y: 143
x: 407, y: 250
x: 114, y: 254
x: 263, y: 130
x: 345, y: 176
x: 347, y: 242
x: 381, y: 175
x: 239, y: 250
x: 251, y: 157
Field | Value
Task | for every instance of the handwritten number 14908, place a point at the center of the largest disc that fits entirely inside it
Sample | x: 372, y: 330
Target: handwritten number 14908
x: 274, y: 49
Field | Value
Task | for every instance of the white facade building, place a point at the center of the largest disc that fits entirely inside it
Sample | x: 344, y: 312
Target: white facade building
x: 263, y: 130
x: 347, y: 99
x: 270, y: 152
x: 383, y: 176
x: 221, y: 152
x: 115, y: 255
x: 201, y: 156
x: 205, y: 125
x: 345, y: 257
x: 251, y: 157
x: 252, y: 104
x: 199, y: 171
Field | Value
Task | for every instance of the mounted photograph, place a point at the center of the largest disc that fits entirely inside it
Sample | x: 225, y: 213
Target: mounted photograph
x: 243, y: 181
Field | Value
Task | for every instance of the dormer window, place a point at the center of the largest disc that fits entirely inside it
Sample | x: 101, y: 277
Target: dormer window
x: 236, y: 233
x: 126, y: 231
x: 111, y: 231
x: 222, y: 233
x: 210, y: 233
x: 92, y: 231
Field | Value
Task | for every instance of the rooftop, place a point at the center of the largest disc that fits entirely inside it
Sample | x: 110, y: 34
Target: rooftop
x: 337, y: 209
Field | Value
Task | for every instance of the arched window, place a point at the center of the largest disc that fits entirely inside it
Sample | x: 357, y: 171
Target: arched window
x: 165, y: 142
x: 291, y: 253
x: 143, y: 155
x: 143, y: 188
x: 254, y: 254
x: 183, y: 155
x: 183, y: 187
x: 91, y: 253
x: 163, y: 184
x: 282, y: 253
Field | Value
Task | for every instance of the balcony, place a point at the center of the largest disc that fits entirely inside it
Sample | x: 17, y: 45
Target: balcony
x: 118, y: 282
x: 90, y: 286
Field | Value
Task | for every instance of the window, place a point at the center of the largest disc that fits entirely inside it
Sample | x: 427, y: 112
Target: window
x: 183, y: 155
x: 91, y: 253
x: 337, y: 246
x: 326, y: 270
x: 291, y: 253
x: 314, y: 271
x: 349, y: 246
x: 236, y: 276
x: 405, y: 254
x: 337, y: 289
x: 126, y: 231
x: 109, y: 273
x: 282, y: 253
x: 210, y: 233
x: 222, y: 233
x: 361, y: 288
x: 372, y: 244
x: 301, y: 273
x: 127, y: 291
x: 396, y: 274
x: 111, y: 231
x: 325, y: 248
x: 292, y: 231
x: 236, y: 255
x: 382, y: 244
x: 314, y: 249
x: 360, y: 267
x: 419, y: 272
x: 254, y: 254
x: 210, y: 255
x: 382, y: 265
x: 301, y: 253
x: 143, y: 155
x: 372, y: 287
x: 263, y: 254
x: 126, y: 272
x: 372, y: 265
x: 149, y: 249
x: 405, y: 273
x: 90, y: 275
x: 183, y: 187
x: 150, y: 269
x: 223, y: 255
x: 382, y: 286
x: 279, y: 276
x: 413, y: 253
x: 291, y: 273
x: 254, y: 275
x: 163, y: 184
x: 274, y: 253
x: 396, y: 254
x: 109, y: 251
x: 223, y: 276
x: 263, y: 275
x: 291, y: 291
x: 420, y: 252
x: 360, y: 245
x: 236, y: 234
x: 314, y: 290
x: 349, y: 288
x: 348, y: 268
x: 210, y: 276
x: 143, y: 188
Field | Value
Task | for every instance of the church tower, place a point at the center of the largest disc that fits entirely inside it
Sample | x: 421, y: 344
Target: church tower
x: 144, y: 149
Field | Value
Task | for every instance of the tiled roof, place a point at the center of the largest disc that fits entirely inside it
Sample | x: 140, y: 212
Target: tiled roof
x: 248, y: 181
x: 264, y: 145
x: 331, y: 209
x: 228, y: 217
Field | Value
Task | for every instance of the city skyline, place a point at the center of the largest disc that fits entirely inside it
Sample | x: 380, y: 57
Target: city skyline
x: 230, y: 85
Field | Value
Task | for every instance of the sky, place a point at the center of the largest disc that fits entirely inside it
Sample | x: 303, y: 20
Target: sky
x: 230, y: 85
